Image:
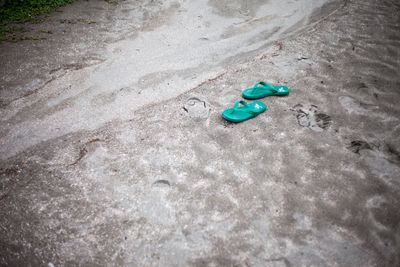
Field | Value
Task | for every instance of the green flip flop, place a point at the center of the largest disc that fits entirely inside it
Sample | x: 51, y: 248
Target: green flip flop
x: 263, y: 89
x: 243, y: 111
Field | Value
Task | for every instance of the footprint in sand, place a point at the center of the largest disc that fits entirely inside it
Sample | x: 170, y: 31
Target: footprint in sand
x: 197, y: 108
x: 379, y: 213
x: 352, y: 105
x: 310, y: 117
x: 357, y: 145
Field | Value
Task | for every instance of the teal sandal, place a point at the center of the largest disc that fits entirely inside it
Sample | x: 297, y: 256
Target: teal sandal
x: 263, y: 89
x: 243, y: 111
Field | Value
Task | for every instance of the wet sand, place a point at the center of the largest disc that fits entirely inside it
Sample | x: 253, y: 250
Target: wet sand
x: 179, y: 47
x: 139, y: 170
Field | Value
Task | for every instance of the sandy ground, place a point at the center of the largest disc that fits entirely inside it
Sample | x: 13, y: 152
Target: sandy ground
x: 113, y: 151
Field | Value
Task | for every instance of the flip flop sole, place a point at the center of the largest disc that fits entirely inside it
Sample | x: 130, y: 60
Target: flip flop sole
x: 235, y: 117
x: 251, y: 111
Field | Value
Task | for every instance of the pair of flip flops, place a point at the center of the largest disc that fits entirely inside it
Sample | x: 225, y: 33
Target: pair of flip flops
x: 243, y: 111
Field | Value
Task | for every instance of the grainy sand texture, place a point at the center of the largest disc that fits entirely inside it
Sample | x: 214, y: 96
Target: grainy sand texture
x: 113, y: 151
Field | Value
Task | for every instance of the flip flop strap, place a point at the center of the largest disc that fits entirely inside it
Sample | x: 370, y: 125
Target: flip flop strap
x: 262, y: 85
x: 238, y: 103
x: 243, y: 103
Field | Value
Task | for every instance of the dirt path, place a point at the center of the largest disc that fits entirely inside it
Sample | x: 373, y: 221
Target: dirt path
x: 181, y: 45
x: 136, y: 167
